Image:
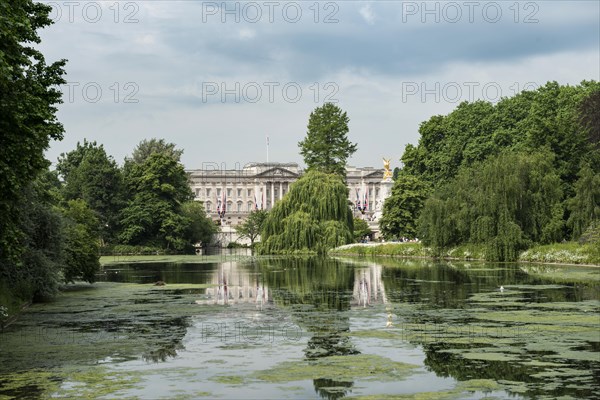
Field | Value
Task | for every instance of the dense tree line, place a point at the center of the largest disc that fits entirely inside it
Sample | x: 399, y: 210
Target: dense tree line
x: 31, y: 226
x: 148, y: 202
x: 506, y: 175
x: 53, y: 223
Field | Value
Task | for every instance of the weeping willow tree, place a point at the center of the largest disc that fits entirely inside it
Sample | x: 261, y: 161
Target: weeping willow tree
x: 506, y: 203
x: 312, y: 218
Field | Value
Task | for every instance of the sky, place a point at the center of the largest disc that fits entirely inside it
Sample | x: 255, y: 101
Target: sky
x: 216, y: 78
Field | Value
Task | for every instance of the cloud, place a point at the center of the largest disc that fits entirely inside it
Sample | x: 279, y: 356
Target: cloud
x: 246, y: 34
x: 367, y: 13
x: 363, y: 56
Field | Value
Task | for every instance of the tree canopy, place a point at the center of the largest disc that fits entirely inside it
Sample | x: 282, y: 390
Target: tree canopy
x: 326, y: 147
x: 252, y: 226
x: 149, y: 146
x: 402, y: 209
x: 505, y: 203
x: 505, y: 175
x: 313, y: 217
x: 32, y: 239
x: 29, y: 95
x: 90, y: 174
x: 157, y: 188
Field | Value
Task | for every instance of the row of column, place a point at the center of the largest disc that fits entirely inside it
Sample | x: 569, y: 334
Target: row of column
x: 271, y: 186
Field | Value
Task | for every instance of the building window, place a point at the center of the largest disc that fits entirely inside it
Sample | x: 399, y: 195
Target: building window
x: 197, y: 192
x: 207, y: 192
x: 249, y: 206
x: 239, y: 192
x: 239, y: 207
x: 249, y: 192
x: 228, y: 192
x: 207, y: 205
x: 219, y: 192
x: 377, y: 192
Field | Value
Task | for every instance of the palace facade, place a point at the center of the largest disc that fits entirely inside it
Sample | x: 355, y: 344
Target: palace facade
x: 261, y: 185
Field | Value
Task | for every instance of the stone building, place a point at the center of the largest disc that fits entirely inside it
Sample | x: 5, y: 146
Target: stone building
x: 261, y: 185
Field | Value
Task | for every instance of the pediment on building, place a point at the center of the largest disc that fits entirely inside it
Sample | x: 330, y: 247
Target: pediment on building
x: 277, y: 172
x: 375, y: 174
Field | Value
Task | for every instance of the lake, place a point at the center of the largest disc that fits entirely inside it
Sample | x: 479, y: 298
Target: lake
x: 298, y: 328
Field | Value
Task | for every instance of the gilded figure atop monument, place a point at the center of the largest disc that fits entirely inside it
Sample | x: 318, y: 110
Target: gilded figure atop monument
x: 387, y: 173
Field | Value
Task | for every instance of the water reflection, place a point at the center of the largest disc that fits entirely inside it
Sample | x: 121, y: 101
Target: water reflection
x: 368, y: 286
x: 234, y: 284
x: 538, y: 333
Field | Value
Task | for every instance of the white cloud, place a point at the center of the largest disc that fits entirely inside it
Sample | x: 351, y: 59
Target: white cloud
x: 368, y: 14
x: 170, y: 53
x: 246, y: 34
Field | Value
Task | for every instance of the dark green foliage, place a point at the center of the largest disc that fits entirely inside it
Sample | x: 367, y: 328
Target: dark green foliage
x: 585, y: 205
x: 252, y: 226
x: 82, y: 244
x: 401, y: 210
x: 590, y: 116
x: 157, y: 189
x: 313, y: 217
x: 30, y: 229
x: 28, y: 97
x: 200, y: 228
x: 505, y: 203
x: 35, y: 273
x: 592, y: 236
x: 147, y: 147
x: 361, y: 229
x: 532, y: 199
x: 90, y: 174
x: 560, y: 118
x: 326, y: 146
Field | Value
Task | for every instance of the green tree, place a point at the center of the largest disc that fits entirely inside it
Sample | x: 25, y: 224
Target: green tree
x: 30, y: 228
x: 585, y: 205
x: 200, y: 228
x: 36, y: 273
x: 90, y: 174
x: 82, y: 242
x: 157, y: 189
x: 147, y: 147
x: 29, y: 94
x: 252, y: 226
x: 313, y: 217
x: 561, y: 119
x: 402, y: 209
x: 505, y: 203
x: 361, y: 229
x: 326, y: 146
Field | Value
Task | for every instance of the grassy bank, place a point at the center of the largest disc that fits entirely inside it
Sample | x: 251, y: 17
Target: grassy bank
x: 562, y: 253
x: 180, y: 259
x: 418, y: 250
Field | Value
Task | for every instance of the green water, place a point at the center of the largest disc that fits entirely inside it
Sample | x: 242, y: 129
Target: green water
x: 312, y: 328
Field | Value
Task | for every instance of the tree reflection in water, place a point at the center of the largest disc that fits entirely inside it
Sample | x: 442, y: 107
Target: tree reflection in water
x: 320, y: 292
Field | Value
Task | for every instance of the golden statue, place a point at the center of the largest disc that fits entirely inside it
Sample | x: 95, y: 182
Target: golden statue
x: 387, y: 173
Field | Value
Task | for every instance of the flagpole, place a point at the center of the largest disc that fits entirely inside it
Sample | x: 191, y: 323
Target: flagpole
x: 267, y: 149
